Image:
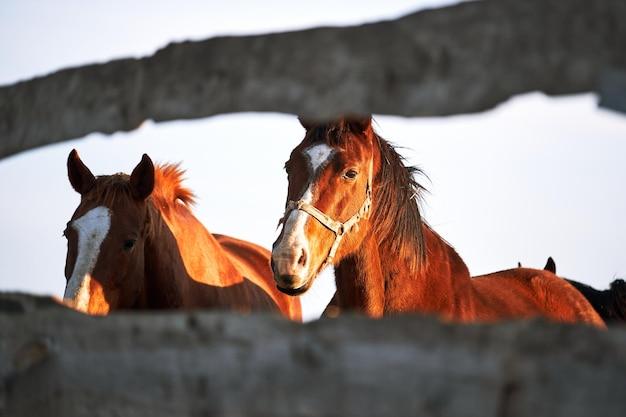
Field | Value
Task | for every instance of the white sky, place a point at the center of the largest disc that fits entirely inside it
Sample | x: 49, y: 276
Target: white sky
x: 534, y: 177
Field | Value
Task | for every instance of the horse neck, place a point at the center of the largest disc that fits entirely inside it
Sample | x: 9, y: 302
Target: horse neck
x: 408, y: 276
x: 376, y: 283
x: 180, y: 256
x: 360, y: 281
x: 446, y: 280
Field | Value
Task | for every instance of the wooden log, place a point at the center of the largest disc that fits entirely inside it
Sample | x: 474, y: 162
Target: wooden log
x: 459, y: 59
x: 54, y: 361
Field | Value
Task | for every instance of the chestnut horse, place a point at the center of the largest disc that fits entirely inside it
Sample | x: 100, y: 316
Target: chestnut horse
x: 133, y: 243
x: 352, y: 203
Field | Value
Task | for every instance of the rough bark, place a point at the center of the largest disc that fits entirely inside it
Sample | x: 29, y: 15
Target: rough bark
x: 465, y: 58
x: 56, y: 362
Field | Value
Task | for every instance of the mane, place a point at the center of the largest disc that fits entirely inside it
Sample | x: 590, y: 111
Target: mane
x: 168, y: 188
x: 396, y: 218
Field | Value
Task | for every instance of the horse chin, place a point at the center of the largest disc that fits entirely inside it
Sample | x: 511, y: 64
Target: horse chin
x: 296, y: 291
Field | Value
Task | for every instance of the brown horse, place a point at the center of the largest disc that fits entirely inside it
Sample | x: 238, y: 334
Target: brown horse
x: 133, y: 243
x: 352, y: 203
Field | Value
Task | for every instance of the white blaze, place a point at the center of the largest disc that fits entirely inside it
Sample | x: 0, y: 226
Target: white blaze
x: 318, y: 156
x: 287, y: 253
x: 92, y: 228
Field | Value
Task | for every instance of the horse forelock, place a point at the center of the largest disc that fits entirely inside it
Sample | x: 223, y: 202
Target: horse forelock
x: 168, y: 194
x: 331, y: 133
x: 110, y: 188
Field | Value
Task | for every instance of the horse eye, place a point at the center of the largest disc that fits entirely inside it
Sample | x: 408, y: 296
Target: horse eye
x: 350, y: 174
x: 128, y: 244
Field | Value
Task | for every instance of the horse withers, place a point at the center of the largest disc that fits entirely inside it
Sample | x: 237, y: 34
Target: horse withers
x: 134, y: 243
x: 353, y: 204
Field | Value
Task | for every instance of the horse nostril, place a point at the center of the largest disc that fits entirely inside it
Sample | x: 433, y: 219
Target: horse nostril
x: 302, y: 259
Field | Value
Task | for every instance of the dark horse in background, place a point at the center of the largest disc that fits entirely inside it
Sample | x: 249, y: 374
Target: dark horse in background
x: 610, y: 303
x: 133, y: 243
x: 352, y: 203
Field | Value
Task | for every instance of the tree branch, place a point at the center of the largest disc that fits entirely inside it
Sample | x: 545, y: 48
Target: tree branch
x: 54, y: 361
x: 459, y: 59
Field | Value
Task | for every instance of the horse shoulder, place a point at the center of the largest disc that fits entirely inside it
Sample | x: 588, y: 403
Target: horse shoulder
x: 253, y: 262
x: 250, y: 258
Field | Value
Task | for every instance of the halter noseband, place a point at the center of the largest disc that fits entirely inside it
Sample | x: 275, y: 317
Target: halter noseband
x: 335, y: 226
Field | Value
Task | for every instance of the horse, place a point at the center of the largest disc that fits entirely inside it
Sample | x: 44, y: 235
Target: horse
x: 352, y: 203
x: 134, y: 243
x: 610, y: 303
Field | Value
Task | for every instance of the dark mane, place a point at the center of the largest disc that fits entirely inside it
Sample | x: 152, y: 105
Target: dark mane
x: 396, y: 217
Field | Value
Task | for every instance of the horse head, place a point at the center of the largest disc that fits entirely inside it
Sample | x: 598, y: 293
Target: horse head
x: 106, y: 237
x: 328, y: 200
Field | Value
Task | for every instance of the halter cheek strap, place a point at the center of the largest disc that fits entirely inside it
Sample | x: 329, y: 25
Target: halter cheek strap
x: 337, y: 227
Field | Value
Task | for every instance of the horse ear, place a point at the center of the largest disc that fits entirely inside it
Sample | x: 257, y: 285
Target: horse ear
x: 307, y: 124
x: 80, y: 176
x: 550, y: 265
x: 142, y: 178
x: 360, y: 124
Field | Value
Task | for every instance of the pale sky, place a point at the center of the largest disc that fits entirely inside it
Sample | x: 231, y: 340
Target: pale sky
x: 536, y: 177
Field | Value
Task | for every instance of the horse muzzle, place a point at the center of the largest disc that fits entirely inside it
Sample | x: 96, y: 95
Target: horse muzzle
x: 291, y: 277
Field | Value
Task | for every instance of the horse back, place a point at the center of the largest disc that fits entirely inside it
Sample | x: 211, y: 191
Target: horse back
x: 526, y: 292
